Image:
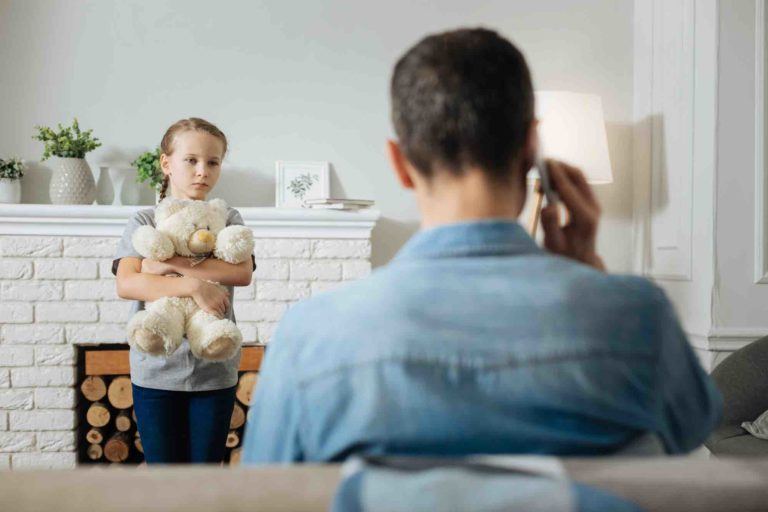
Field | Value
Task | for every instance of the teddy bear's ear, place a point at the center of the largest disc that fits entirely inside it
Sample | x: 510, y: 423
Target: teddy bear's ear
x: 167, y: 207
x: 218, y: 204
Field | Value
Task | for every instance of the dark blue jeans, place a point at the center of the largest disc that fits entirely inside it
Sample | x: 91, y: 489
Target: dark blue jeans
x: 183, y: 426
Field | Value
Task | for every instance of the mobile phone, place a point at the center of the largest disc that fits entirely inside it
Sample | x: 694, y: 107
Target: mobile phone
x: 546, y: 182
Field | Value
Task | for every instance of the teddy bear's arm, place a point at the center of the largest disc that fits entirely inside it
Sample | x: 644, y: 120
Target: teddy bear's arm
x: 234, y: 244
x: 152, y: 244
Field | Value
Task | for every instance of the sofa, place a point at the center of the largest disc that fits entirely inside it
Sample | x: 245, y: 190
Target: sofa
x: 743, y: 380
x: 653, y: 483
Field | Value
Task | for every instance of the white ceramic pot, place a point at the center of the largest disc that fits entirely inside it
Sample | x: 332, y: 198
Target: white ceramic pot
x: 125, y: 186
x: 72, y: 182
x: 10, y: 191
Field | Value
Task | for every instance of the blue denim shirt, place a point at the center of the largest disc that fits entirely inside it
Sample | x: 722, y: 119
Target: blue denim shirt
x: 475, y: 340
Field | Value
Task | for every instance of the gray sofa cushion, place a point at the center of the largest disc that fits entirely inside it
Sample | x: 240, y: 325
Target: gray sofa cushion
x: 744, y: 445
x: 743, y: 380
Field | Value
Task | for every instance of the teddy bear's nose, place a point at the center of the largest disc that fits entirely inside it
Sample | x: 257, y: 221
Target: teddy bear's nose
x: 202, y: 241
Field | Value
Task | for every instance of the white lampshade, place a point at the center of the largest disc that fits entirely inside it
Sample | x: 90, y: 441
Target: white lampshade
x: 572, y: 129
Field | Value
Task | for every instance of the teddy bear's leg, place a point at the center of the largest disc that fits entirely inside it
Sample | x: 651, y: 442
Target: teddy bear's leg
x: 159, y: 329
x: 212, y: 338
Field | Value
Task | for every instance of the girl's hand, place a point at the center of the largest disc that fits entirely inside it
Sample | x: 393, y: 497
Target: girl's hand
x: 210, y: 298
x: 158, y: 268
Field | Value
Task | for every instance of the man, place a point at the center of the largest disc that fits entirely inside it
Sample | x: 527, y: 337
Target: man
x: 474, y: 339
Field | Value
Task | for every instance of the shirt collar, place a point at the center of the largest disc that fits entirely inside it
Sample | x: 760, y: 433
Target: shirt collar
x: 493, y: 237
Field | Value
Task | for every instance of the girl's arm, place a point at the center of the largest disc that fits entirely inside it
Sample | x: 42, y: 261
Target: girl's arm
x: 134, y: 285
x: 210, y: 269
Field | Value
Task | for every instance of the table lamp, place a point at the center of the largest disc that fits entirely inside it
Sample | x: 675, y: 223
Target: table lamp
x: 572, y: 129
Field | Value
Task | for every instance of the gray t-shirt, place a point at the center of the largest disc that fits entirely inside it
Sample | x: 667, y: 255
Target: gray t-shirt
x: 181, y: 371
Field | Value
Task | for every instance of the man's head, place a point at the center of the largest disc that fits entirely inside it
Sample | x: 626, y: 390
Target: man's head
x: 464, y: 100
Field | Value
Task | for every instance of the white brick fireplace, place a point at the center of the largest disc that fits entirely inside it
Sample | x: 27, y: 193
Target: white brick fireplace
x: 57, y: 292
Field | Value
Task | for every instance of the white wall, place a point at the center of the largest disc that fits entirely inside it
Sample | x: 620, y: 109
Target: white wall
x: 289, y: 80
x: 740, y: 301
x: 695, y: 81
x: 674, y: 154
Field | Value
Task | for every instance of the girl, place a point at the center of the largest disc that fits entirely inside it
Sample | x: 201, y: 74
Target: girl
x: 183, y: 404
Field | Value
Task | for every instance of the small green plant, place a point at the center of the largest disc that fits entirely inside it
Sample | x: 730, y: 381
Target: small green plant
x: 300, y: 185
x: 11, y: 169
x: 68, y: 142
x: 148, y: 169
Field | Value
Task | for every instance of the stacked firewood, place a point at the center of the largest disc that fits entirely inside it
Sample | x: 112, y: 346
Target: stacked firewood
x: 110, y: 434
x: 245, y: 388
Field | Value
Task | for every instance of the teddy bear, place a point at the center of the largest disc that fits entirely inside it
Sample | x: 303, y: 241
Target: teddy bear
x: 193, y: 229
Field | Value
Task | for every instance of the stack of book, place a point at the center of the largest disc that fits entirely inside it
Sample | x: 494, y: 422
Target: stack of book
x: 337, y: 204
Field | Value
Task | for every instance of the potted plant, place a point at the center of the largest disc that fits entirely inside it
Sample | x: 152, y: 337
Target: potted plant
x: 11, y: 172
x: 148, y: 170
x: 72, y: 181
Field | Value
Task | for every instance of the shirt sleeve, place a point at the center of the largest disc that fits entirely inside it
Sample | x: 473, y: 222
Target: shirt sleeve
x: 235, y: 219
x: 272, y: 432
x: 125, y: 247
x: 691, y: 404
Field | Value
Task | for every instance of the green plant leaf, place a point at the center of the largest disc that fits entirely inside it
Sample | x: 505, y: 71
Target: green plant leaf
x: 66, y: 142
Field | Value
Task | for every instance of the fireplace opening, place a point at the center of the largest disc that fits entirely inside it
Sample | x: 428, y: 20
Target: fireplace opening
x: 107, y: 433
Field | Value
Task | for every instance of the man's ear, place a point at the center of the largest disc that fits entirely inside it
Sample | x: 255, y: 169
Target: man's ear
x: 400, y: 164
x: 529, y: 150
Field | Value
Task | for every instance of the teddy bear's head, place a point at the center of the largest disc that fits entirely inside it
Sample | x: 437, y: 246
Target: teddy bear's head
x: 192, y: 226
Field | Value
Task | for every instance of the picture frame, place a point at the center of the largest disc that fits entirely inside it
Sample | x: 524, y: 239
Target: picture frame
x: 296, y: 181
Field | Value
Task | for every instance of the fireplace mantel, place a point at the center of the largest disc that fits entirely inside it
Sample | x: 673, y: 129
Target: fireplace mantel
x: 100, y: 220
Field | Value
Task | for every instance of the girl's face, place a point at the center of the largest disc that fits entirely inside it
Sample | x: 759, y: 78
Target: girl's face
x: 194, y: 165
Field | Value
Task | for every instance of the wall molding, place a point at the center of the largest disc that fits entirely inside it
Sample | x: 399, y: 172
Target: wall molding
x: 672, y: 254
x: 726, y: 339
x: 761, y: 237
x: 664, y: 138
x: 641, y: 138
x: 104, y: 220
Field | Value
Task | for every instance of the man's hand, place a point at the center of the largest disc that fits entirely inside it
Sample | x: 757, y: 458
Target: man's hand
x: 159, y: 268
x: 576, y: 239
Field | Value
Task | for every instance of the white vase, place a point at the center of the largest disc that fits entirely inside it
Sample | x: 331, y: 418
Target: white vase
x: 72, y: 182
x: 105, y: 193
x: 10, y: 191
x: 125, y: 186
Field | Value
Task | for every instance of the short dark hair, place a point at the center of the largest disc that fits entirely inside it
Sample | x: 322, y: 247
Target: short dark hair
x: 462, y: 98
